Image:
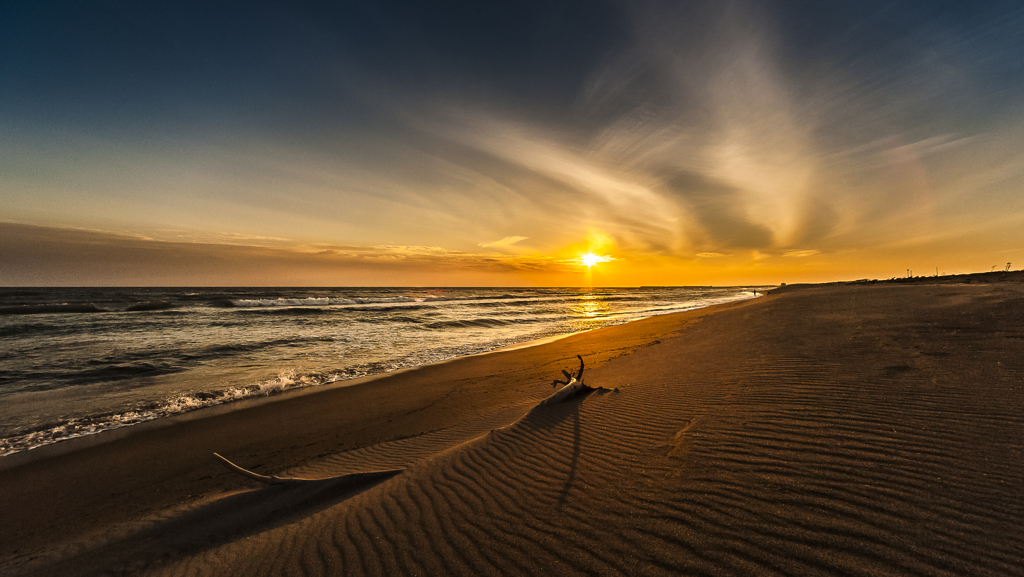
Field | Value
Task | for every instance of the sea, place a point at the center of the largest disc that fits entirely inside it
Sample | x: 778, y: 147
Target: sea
x: 78, y: 361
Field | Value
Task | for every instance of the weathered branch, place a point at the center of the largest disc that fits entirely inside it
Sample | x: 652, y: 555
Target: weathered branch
x: 570, y: 377
x: 351, y: 478
x: 270, y: 480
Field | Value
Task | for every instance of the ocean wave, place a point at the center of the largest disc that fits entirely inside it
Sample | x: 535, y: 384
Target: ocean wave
x: 51, y: 309
x: 386, y: 308
x: 283, y: 302
x: 393, y: 319
x: 122, y: 371
x: 468, y: 323
x: 80, y: 427
x: 317, y: 301
x: 108, y: 307
x: 143, y: 362
x: 220, y: 351
x: 475, y: 297
x: 20, y: 330
x: 520, y: 300
x: 506, y: 302
x: 151, y: 306
x: 508, y: 299
x: 384, y: 300
x: 289, y: 311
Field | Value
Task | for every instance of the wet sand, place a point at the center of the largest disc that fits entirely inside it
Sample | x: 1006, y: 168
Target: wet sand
x: 869, y: 429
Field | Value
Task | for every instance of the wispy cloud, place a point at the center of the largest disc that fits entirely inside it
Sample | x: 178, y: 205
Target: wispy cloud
x: 671, y: 150
x: 702, y: 136
x: 504, y: 242
x: 801, y: 253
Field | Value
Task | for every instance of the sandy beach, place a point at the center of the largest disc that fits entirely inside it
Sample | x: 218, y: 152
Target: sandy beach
x: 866, y: 428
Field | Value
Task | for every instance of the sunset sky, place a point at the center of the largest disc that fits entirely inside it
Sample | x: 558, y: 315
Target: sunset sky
x: 496, y: 143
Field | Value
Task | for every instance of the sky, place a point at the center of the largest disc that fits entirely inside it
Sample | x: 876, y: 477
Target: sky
x: 447, y: 143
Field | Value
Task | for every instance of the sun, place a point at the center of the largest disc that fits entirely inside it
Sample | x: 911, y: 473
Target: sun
x: 590, y: 259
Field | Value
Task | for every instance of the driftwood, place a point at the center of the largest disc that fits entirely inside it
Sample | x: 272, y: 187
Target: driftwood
x: 570, y: 377
x: 353, y: 478
x: 270, y: 480
x: 573, y: 386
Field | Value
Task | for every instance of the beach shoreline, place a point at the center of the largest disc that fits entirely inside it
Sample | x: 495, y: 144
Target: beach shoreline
x: 73, y: 375
x: 770, y: 370
x: 230, y: 430
x: 76, y: 443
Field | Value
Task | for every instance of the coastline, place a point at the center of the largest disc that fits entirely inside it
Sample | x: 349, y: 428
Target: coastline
x: 798, y: 389
x: 289, y: 429
x: 78, y: 442
x: 233, y: 357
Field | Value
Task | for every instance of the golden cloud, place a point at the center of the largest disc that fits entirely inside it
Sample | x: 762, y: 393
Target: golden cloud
x: 507, y: 241
x: 801, y: 253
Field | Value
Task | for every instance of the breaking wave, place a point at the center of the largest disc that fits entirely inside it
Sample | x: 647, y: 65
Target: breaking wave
x: 82, y: 426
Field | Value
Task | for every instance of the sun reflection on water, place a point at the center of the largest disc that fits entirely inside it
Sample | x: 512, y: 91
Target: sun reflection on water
x: 588, y: 312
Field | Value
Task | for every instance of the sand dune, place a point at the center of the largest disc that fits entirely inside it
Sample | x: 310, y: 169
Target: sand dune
x: 870, y: 429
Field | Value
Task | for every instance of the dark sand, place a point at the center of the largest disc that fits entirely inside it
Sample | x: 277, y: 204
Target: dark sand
x: 873, y: 429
